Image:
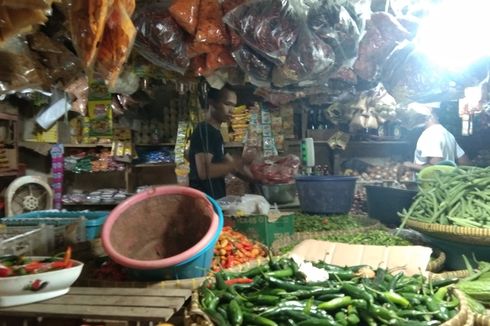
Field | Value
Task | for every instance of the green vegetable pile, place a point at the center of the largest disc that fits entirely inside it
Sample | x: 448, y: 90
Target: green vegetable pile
x: 278, y: 294
x: 460, y: 197
x: 314, y: 223
x: 477, y: 286
x: 369, y: 237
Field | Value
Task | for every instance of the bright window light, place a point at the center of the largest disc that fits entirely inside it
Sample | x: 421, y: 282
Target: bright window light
x: 453, y: 34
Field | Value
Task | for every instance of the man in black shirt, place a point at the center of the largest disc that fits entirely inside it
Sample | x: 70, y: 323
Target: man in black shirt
x: 208, y: 162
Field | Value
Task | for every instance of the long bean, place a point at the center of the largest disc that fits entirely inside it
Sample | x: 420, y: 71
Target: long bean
x: 460, y: 197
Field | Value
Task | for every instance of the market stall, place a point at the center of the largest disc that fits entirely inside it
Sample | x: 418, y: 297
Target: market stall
x: 355, y: 152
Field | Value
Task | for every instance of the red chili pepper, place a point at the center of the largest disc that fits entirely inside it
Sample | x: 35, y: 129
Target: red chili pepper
x: 5, y: 271
x: 67, y: 258
x: 33, y: 266
x: 239, y: 280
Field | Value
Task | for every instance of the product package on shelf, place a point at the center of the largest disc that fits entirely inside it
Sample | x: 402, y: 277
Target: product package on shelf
x: 122, y: 145
x: 268, y: 141
x: 240, y: 117
x: 57, y: 153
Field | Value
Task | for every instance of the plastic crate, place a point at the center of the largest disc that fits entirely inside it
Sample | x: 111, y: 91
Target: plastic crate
x: 65, y: 231
x: 261, y: 229
x: 93, y: 223
x: 26, y: 241
x: 325, y: 194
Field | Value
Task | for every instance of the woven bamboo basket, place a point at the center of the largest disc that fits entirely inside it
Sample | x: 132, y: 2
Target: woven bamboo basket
x: 472, y: 236
x: 441, y: 276
x: 464, y: 316
x: 194, y: 316
x: 482, y: 320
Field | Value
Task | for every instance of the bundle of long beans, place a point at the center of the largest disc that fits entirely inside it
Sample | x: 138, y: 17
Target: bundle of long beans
x: 460, y: 197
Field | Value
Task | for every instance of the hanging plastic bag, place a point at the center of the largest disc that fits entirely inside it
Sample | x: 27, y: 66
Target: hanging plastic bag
x: 211, y: 28
x: 229, y: 5
x: 257, y: 69
x: 117, y: 43
x: 336, y: 26
x: 269, y: 26
x: 27, y: 4
x: 276, y: 169
x: 160, y: 40
x: 19, y: 71
x: 185, y: 13
x: 14, y: 22
x: 87, y: 22
x: 60, y: 63
x: 219, y: 57
x: 198, y: 65
x: 78, y: 91
x: 308, y: 58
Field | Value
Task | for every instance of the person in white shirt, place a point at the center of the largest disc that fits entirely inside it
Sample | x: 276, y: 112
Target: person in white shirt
x: 435, y: 145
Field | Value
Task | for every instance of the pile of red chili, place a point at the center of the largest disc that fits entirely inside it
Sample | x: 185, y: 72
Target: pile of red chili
x: 234, y: 248
x: 21, y: 265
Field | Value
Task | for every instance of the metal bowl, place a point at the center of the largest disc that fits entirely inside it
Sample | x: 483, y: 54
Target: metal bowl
x: 278, y: 193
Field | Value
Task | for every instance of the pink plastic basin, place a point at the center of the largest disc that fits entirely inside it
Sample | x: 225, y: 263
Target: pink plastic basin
x: 159, y: 228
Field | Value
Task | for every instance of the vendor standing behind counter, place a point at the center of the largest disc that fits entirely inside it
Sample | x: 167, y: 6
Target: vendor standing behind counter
x: 436, y: 145
x: 208, y: 162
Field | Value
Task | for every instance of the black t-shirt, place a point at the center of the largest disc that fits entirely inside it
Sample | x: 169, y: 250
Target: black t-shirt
x: 207, y: 139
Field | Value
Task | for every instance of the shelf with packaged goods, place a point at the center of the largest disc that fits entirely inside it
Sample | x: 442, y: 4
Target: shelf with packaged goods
x: 227, y: 145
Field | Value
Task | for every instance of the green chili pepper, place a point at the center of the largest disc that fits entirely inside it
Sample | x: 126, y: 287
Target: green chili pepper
x: 256, y: 271
x: 441, y: 293
x: 235, y: 313
x: 257, y: 320
x: 264, y: 299
x: 353, y: 319
x: 288, y: 272
x: 217, y: 318
x: 383, y: 314
x: 209, y: 299
x: 433, y: 305
x: 359, y: 303
x: 341, y: 318
x: 316, y: 322
x: 395, y: 298
x: 336, y: 303
x: 220, y: 282
x: 357, y: 292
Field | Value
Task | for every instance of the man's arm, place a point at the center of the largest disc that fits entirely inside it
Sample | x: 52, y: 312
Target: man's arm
x: 208, y: 170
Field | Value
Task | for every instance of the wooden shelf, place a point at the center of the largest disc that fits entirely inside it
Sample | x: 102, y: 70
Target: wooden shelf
x: 155, y: 145
x: 8, y: 173
x: 152, y: 165
x: 6, y: 116
x: 86, y: 145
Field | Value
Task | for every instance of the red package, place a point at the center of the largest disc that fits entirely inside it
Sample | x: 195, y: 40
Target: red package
x: 219, y: 57
x: 198, y: 65
x: 185, y: 13
x: 229, y: 5
x: 211, y: 28
x: 197, y: 48
x: 276, y: 170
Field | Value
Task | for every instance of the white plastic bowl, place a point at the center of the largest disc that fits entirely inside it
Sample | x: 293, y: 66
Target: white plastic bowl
x: 18, y: 290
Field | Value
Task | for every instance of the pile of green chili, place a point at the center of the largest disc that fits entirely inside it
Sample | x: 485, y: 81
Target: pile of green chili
x: 369, y: 237
x: 278, y: 294
x: 314, y: 223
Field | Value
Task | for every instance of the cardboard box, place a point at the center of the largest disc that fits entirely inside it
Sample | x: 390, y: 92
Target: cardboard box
x: 409, y: 259
x: 263, y: 228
